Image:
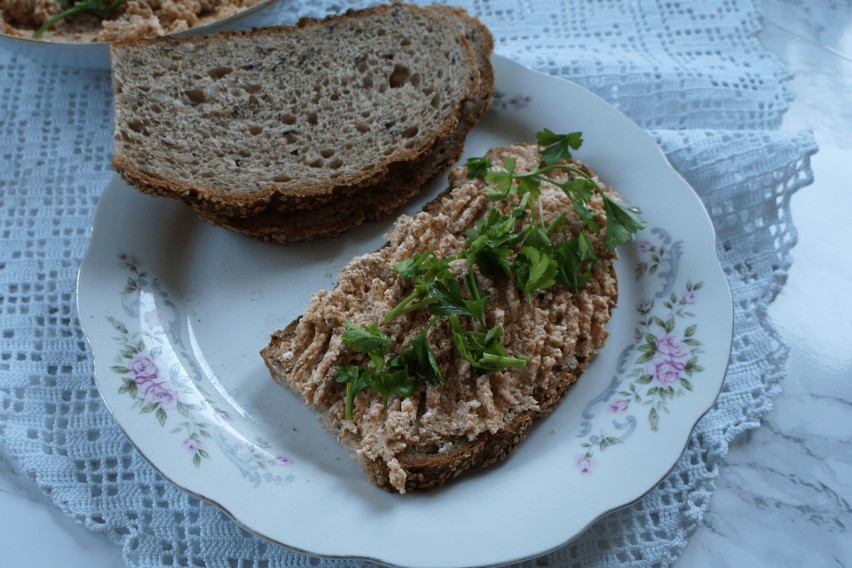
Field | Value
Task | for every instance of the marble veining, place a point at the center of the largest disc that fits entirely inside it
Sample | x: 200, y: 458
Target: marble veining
x: 822, y: 23
x: 784, y: 496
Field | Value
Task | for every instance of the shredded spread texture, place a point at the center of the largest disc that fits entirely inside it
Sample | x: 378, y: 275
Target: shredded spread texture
x: 554, y: 330
x: 132, y: 20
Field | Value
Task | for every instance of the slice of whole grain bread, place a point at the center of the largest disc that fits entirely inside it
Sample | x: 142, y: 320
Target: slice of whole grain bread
x: 368, y: 204
x: 295, y: 117
x: 422, y: 441
x: 335, y: 216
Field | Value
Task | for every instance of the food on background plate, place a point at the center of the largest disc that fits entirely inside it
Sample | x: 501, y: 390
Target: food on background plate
x: 300, y: 132
x: 109, y: 20
x: 436, y: 353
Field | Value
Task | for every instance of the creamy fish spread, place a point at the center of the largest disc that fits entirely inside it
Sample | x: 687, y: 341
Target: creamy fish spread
x: 133, y: 20
x: 554, y: 331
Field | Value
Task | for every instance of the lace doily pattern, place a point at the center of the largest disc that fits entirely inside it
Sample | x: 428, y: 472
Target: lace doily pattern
x: 693, y: 73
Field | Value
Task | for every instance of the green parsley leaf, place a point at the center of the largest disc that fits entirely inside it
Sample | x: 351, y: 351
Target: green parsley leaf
x: 493, y: 261
x: 556, y: 146
x: 579, y: 191
x: 583, y: 188
x: 537, y: 238
x: 491, y: 242
x: 622, y: 221
x: 366, y: 339
x: 503, y: 181
x: 450, y: 300
x: 397, y: 382
x: 413, y: 265
x: 534, y: 270
x: 477, y: 307
x: 530, y: 186
x: 424, y: 267
x: 574, y: 259
x: 418, y: 360
x: 478, y: 167
x: 495, y: 228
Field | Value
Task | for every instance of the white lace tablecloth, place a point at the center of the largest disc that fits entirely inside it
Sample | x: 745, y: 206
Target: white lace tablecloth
x: 692, y: 73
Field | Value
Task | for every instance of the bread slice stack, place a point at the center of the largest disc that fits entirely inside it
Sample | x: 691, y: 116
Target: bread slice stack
x: 472, y: 420
x: 300, y: 132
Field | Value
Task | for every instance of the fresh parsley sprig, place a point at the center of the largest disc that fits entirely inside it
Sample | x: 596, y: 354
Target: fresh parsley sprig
x: 481, y: 345
x: 540, y: 263
x: 501, y: 246
x: 384, y: 377
x: 423, y: 268
x: 483, y: 349
x: 575, y: 258
x: 100, y: 8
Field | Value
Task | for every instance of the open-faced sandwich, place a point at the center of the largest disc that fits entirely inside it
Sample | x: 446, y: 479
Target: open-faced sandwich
x: 436, y: 353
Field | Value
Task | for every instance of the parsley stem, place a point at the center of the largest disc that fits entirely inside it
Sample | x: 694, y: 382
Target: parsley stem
x: 350, y: 400
x: 76, y: 9
x: 562, y: 167
x: 555, y: 224
x: 400, y: 308
x: 405, y: 306
x: 429, y: 325
x: 504, y: 361
x: 571, y: 169
x: 537, y: 174
x: 101, y: 8
x: 470, y: 279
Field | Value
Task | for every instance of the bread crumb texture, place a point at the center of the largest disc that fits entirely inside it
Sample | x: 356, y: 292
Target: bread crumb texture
x: 558, y: 331
x: 290, y: 113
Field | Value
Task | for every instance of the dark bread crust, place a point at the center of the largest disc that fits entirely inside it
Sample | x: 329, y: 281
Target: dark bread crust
x: 248, y: 203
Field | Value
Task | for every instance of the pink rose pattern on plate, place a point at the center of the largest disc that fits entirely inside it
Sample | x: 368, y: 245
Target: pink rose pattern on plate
x: 659, y: 367
x: 159, y: 381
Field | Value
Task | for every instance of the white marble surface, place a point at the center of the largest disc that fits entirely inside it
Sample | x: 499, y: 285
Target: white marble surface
x: 784, y: 497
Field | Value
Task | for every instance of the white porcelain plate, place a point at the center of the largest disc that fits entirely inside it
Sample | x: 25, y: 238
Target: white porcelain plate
x: 176, y: 312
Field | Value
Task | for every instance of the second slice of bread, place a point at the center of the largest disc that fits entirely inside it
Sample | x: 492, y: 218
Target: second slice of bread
x: 292, y: 118
x: 335, y: 216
